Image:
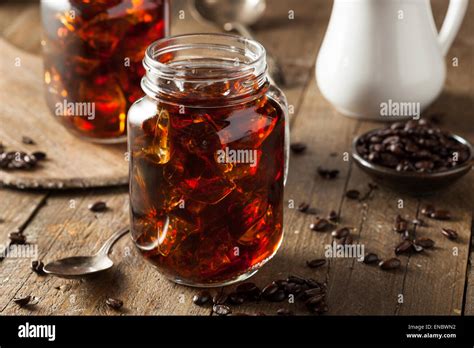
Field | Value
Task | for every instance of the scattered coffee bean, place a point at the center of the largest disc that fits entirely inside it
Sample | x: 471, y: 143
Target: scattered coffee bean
x: 333, y: 216
x: 23, y: 301
x: 221, y: 310
x: 371, y: 258
x: 449, y: 233
x: 341, y: 232
x: 312, y: 284
x: 39, y: 155
x: 295, y: 279
x: 249, y: 290
x: 202, y: 298
x: 320, y: 225
x: 98, y: 207
x: 278, y: 296
x: 353, y: 194
x: 390, y: 264
x: 114, y: 303
x: 401, y: 225
x: 316, y: 263
x: 298, y: 148
x: 37, y: 267
x: 17, y: 238
x: 403, y: 247
x: 269, y: 290
x: 347, y: 240
x: 303, y: 207
x: 285, y: 312
x: 328, y: 173
x: 27, y: 140
x: 441, y: 215
x: 425, y: 243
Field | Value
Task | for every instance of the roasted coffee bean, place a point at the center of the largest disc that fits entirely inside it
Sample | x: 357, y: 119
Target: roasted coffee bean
x: 347, y: 240
x: 353, y: 194
x: 247, y: 288
x: 371, y: 258
x: 441, y: 214
x: 27, y: 140
x: 281, y: 282
x: 98, y: 207
x: 314, y: 301
x: 202, y: 298
x: 312, y: 292
x: 312, y: 284
x: 401, y: 225
x: 417, y: 248
x: 390, y: 264
x: 278, y: 296
x: 298, y: 148
x: 428, y: 210
x: 37, y: 267
x: 221, y: 310
x: 303, y: 207
x: 269, y: 290
x: 23, y: 301
x: 426, y: 243
x: 333, y: 216
x: 220, y: 298
x: 341, y: 232
x: 39, y: 155
x: 236, y: 298
x: 449, y: 233
x: 293, y: 288
x: 320, y: 225
x: 295, y: 279
x: 403, y: 247
x: 114, y: 303
x: 328, y: 173
x: 17, y: 238
x: 316, y: 263
x: 285, y: 312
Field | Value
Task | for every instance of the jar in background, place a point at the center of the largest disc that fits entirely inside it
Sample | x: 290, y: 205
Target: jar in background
x: 92, y: 60
x: 208, y: 147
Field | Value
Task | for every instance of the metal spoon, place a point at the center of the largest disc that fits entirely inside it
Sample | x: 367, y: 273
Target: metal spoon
x: 237, y: 15
x: 84, y: 265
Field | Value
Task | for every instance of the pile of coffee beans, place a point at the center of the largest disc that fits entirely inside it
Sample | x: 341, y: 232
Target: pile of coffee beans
x: 307, y: 291
x: 19, y: 160
x: 413, y: 146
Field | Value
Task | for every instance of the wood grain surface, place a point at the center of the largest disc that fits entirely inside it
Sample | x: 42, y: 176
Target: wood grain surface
x: 437, y: 282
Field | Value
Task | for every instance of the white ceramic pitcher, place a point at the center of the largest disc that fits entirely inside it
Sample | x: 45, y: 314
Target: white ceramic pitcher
x: 380, y: 53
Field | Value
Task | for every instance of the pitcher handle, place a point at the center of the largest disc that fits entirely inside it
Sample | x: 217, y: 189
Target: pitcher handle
x: 452, y: 23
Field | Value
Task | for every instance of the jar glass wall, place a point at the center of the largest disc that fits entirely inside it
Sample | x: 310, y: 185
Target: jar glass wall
x: 93, y: 53
x: 207, y: 167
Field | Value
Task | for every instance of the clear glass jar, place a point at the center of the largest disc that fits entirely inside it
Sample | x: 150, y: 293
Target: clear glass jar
x: 208, y: 154
x: 93, y: 53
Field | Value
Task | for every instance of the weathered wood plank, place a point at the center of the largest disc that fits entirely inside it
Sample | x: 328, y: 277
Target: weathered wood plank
x: 65, y: 227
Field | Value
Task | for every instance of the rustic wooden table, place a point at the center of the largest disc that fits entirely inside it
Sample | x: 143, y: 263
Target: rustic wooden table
x: 438, y: 282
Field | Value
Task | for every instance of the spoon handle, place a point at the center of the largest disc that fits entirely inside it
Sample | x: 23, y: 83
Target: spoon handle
x: 104, y: 250
x: 274, y: 69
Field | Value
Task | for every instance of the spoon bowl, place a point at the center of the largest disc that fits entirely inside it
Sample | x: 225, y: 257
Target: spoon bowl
x: 77, y: 266
x: 246, y: 12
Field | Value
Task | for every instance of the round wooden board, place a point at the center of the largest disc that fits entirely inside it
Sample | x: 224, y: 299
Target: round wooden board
x: 72, y: 162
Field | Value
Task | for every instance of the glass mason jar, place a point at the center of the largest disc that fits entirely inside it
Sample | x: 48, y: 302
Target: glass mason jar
x: 208, y: 159
x: 93, y: 53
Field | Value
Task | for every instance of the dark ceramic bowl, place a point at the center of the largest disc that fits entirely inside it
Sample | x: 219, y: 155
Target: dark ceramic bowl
x: 414, y: 183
